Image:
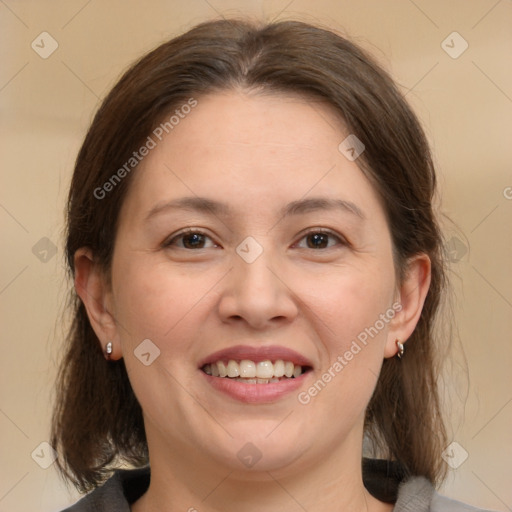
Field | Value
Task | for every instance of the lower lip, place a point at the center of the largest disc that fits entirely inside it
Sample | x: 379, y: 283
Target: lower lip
x: 255, y: 393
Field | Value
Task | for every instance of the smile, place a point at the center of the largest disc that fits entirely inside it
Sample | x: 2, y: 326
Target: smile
x: 251, y: 372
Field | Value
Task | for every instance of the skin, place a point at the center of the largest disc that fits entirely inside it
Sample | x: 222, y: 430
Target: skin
x: 256, y: 153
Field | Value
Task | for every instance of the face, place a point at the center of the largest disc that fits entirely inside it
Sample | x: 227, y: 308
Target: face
x: 247, y: 236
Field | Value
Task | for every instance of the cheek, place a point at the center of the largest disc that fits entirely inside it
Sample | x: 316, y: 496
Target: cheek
x: 157, y: 302
x: 351, y: 312
x: 347, y: 302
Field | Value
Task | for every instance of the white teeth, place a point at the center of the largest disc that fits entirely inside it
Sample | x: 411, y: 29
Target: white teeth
x: 279, y: 368
x: 223, y: 371
x: 265, y: 370
x: 262, y: 372
x: 233, y: 369
x: 247, y: 369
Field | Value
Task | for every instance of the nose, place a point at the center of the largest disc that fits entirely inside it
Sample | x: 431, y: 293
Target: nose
x: 257, y: 294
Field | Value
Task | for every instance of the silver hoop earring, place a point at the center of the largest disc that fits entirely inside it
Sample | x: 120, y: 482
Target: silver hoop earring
x: 108, y: 350
x: 400, y: 346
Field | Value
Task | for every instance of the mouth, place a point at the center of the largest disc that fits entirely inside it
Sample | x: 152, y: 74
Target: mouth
x: 262, y: 374
x: 252, y: 372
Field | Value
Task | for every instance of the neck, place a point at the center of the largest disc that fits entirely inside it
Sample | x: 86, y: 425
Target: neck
x: 185, y: 480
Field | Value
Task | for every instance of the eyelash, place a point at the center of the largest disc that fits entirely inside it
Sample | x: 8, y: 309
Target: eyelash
x: 319, y: 231
x: 170, y: 242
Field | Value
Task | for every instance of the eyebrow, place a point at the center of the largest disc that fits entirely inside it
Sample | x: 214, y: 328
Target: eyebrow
x: 216, y: 208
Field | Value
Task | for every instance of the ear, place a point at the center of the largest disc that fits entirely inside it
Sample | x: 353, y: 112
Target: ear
x: 92, y: 287
x: 411, y: 296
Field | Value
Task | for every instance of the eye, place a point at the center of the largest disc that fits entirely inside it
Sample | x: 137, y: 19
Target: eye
x: 190, y: 239
x: 319, y: 239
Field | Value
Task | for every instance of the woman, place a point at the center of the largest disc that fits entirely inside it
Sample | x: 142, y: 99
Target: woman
x: 257, y: 270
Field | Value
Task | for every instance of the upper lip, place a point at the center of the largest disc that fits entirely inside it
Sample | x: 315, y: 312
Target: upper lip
x: 256, y: 354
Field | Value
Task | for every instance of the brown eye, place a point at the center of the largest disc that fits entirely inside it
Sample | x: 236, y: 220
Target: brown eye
x: 321, y: 240
x: 190, y: 240
x: 318, y: 240
x: 193, y: 241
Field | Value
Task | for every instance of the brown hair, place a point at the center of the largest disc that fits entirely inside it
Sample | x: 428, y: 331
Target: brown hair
x: 97, y: 419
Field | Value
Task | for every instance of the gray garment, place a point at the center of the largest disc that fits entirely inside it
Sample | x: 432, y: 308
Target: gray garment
x: 418, y: 495
x: 414, y: 495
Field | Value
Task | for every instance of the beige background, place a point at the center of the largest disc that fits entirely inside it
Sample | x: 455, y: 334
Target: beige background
x: 47, y: 104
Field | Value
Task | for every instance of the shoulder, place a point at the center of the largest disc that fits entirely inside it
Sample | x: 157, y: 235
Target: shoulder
x: 418, y: 495
x: 116, y: 494
x: 442, y: 503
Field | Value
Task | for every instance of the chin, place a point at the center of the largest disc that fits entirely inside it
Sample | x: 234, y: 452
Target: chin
x: 252, y: 453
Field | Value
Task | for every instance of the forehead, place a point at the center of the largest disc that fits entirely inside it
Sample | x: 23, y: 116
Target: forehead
x: 237, y: 145
x: 263, y: 117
